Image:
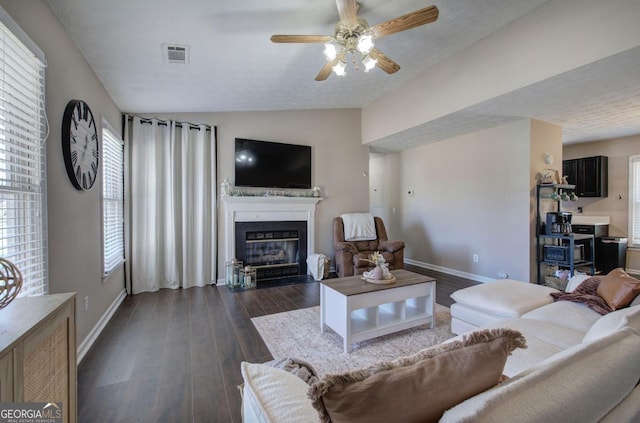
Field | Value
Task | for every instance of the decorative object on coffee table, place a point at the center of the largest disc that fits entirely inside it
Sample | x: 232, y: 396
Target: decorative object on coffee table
x: 10, y: 282
x: 379, y: 274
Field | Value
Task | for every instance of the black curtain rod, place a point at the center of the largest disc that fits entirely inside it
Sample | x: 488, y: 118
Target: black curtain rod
x: 165, y: 123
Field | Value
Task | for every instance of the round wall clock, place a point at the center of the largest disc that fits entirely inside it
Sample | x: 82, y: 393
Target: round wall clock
x: 80, y: 147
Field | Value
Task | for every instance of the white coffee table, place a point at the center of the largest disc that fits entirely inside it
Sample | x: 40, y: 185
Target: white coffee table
x: 357, y: 310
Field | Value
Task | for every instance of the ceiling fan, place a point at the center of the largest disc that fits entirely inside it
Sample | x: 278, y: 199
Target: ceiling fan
x: 353, y: 35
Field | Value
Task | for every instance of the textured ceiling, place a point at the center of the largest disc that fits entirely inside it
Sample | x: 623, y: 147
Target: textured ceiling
x: 233, y: 66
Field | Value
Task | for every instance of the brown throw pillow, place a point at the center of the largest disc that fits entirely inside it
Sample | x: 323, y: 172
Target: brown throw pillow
x: 419, y: 387
x: 618, y: 289
x: 586, y: 293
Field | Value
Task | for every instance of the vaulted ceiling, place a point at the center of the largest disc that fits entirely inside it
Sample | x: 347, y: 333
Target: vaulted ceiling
x: 233, y: 65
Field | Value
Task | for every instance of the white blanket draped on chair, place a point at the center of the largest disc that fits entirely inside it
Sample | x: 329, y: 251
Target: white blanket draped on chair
x: 358, y: 226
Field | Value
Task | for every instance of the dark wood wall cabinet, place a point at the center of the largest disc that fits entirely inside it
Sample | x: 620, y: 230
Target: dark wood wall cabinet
x: 590, y: 175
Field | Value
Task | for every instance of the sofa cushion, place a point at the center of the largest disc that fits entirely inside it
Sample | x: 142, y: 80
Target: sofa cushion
x: 583, y: 383
x: 627, y: 411
x: 564, y: 313
x: 473, y: 316
x: 618, y: 289
x: 505, y: 298
x: 543, y: 341
x: 274, y: 395
x: 420, y: 386
x: 614, y: 321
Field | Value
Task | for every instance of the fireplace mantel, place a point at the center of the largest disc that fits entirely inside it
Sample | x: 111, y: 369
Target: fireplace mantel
x: 265, y: 209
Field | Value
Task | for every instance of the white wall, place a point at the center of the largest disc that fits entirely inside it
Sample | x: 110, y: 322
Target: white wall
x: 616, y: 205
x: 340, y: 161
x: 471, y: 196
x: 75, y: 218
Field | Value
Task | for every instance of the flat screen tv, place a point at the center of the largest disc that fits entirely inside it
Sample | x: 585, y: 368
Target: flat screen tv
x: 266, y: 164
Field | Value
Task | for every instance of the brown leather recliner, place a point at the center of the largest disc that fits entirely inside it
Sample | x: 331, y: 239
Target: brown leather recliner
x: 348, y: 254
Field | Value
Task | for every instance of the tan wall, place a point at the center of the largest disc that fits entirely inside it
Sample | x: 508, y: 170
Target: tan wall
x: 470, y: 196
x: 546, y: 139
x: 616, y: 205
x: 340, y: 161
x: 75, y: 218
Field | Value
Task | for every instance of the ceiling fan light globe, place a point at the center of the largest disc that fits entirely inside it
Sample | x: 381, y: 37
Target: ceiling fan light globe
x: 339, y: 69
x: 330, y: 52
x: 365, y: 43
x: 369, y: 63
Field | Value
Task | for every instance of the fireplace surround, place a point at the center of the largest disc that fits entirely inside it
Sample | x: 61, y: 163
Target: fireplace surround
x: 274, y: 249
x: 245, y: 209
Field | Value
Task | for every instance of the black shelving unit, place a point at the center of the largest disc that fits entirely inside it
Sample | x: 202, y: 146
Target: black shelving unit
x: 559, y: 249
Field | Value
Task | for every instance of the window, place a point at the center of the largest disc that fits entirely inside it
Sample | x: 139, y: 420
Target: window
x: 634, y: 201
x: 112, y: 199
x: 23, y: 202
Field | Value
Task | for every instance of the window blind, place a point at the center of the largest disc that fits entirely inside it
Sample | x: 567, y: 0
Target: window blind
x: 23, y: 219
x: 634, y: 201
x: 112, y: 200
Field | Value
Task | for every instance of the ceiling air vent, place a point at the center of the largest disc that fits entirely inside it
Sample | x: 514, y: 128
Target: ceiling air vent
x: 174, y: 53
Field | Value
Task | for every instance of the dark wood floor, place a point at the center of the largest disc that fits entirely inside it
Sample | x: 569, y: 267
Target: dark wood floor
x: 174, y: 355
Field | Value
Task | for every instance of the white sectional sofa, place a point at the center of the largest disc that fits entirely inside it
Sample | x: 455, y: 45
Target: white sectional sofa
x: 578, y: 367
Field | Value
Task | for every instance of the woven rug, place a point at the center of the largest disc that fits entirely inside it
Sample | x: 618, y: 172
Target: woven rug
x: 297, y: 334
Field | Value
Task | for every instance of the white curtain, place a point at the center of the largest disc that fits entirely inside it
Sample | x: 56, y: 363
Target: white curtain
x: 172, y: 229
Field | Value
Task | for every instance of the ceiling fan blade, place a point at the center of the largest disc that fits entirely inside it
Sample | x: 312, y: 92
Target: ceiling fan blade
x: 301, y: 38
x: 408, y: 21
x: 384, y: 63
x: 348, y: 11
x: 325, y: 71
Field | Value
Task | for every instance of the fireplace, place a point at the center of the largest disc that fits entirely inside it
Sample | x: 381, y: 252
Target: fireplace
x: 276, y: 249
x: 270, y: 210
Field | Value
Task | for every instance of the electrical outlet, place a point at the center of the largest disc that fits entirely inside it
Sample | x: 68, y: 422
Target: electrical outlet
x: 86, y: 303
x: 475, y: 258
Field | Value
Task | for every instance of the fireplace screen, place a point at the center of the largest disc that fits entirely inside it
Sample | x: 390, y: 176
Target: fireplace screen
x: 275, y: 251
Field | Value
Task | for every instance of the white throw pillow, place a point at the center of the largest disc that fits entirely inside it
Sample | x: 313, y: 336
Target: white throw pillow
x: 575, y: 281
x: 612, y: 322
x: 273, y: 395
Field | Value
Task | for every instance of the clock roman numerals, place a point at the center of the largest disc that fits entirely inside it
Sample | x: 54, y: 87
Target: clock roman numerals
x: 80, y: 145
x: 84, y: 111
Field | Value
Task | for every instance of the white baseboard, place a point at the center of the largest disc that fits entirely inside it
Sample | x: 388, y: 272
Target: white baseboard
x: 448, y: 271
x: 90, y: 339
